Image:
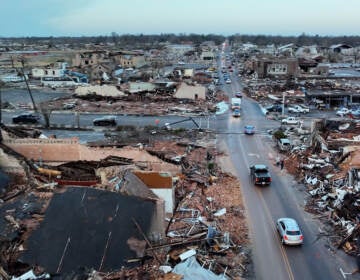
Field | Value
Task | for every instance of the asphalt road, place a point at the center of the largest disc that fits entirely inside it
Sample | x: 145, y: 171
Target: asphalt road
x: 284, y: 198
x: 85, y: 120
x: 21, y: 96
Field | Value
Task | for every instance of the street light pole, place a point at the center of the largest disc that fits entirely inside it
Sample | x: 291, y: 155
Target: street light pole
x: 283, y: 104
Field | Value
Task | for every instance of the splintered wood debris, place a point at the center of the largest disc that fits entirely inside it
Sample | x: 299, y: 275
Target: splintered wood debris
x: 208, y: 222
x: 330, y: 170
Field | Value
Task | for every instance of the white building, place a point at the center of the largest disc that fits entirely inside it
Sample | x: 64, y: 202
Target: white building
x: 57, y: 71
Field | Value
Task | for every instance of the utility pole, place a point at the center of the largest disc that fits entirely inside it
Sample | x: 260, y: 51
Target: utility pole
x: 1, y: 85
x: 27, y: 84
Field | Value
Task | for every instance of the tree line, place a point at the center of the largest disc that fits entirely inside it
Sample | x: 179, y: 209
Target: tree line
x: 301, y: 40
x: 158, y: 40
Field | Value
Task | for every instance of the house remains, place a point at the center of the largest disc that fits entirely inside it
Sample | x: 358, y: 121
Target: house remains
x: 135, y: 211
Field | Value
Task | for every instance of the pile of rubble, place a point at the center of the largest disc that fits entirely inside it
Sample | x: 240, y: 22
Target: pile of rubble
x: 209, y: 220
x: 329, y: 168
x: 138, y: 105
x: 206, y: 234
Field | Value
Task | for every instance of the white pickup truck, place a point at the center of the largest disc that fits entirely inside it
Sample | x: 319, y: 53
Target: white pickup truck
x: 290, y: 120
x: 298, y: 109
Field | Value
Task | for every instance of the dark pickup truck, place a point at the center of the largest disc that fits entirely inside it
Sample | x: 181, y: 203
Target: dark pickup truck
x: 260, y: 174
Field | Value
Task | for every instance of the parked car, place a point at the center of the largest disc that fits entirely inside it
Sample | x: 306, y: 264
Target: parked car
x: 236, y: 113
x: 249, y: 129
x: 343, y: 112
x: 290, y: 120
x: 355, y: 114
x: 105, y: 121
x: 69, y: 106
x: 293, y: 110
x: 26, y: 118
x: 228, y: 81
x: 260, y: 174
x: 305, y: 108
x: 298, y: 109
x: 289, y: 231
x: 274, y: 108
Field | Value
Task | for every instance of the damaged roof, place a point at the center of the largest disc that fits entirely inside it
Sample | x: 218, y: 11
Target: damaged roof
x: 86, y: 227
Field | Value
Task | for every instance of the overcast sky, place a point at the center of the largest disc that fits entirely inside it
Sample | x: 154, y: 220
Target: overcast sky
x: 20, y: 18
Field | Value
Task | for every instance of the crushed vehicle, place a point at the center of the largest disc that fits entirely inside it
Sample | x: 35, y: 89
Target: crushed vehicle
x: 260, y: 174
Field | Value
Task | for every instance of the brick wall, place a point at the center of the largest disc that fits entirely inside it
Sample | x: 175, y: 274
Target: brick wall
x: 64, y: 150
x: 46, y: 149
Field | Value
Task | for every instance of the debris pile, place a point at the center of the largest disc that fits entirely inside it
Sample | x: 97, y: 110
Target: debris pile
x: 330, y: 170
x: 150, y: 104
x: 206, y: 234
x: 209, y: 219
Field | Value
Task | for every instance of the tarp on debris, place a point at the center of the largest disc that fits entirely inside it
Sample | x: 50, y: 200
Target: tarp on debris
x: 191, y: 269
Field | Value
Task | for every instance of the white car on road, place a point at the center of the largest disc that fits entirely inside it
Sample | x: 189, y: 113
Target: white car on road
x: 290, y: 120
x: 289, y: 231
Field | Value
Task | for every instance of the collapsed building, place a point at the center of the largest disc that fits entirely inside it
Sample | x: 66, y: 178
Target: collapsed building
x: 159, y: 98
x: 328, y: 165
x: 152, y: 210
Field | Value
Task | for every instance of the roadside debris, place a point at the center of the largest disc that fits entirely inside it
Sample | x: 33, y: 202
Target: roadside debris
x: 329, y: 167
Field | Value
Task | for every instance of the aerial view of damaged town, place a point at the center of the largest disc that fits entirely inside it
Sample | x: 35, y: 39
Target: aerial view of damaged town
x: 179, y: 140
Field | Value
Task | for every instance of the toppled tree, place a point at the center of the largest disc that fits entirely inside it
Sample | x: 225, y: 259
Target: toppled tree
x: 279, y: 134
